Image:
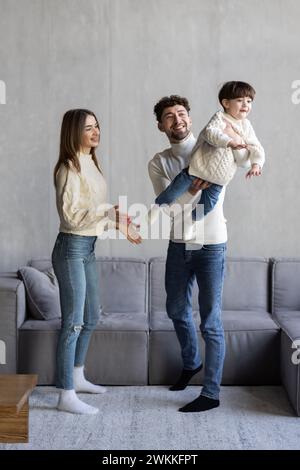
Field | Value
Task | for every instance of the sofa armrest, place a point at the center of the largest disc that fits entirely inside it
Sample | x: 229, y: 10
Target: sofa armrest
x: 12, y: 316
x: 290, y: 370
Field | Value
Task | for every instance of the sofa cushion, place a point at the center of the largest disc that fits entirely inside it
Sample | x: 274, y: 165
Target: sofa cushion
x: 123, y: 321
x: 252, y: 357
x: 42, y: 293
x: 157, y: 293
x: 159, y: 321
x: 286, y: 285
x: 246, y: 285
x: 41, y: 264
x: 108, y: 322
x: 289, y: 321
x: 247, y: 320
x: 233, y: 320
x: 113, y: 358
x: 289, y: 364
x: 122, y: 283
x: 41, y: 325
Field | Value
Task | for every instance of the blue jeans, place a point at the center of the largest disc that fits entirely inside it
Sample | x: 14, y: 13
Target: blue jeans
x: 74, y: 264
x: 207, y: 266
x: 181, y: 184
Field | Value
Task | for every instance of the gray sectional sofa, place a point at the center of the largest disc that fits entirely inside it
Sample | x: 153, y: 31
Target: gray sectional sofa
x: 135, y: 343
x: 252, y: 336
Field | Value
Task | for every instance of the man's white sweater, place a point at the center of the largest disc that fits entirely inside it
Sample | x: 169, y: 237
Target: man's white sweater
x: 163, y: 168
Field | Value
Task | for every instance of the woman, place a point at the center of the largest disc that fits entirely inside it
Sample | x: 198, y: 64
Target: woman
x: 84, y: 215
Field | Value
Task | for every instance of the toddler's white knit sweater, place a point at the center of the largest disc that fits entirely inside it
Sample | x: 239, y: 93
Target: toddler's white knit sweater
x: 212, y: 160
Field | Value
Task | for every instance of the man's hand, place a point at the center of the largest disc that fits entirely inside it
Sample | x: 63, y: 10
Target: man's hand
x: 197, y: 185
x: 255, y: 171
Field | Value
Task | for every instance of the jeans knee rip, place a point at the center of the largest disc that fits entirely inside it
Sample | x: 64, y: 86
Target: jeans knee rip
x: 77, y: 328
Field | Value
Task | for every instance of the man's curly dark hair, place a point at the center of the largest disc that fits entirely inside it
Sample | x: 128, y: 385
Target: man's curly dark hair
x: 168, y: 101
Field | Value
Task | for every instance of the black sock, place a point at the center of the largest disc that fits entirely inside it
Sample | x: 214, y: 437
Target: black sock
x: 184, y: 379
x: 201, y: 403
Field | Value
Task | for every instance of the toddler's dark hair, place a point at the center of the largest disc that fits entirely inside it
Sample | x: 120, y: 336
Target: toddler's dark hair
x: 232, y: 90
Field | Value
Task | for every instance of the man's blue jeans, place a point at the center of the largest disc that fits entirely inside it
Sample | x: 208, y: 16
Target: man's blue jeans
x: 207, y: 266
x: 181, y: 184
x: 74, y: 264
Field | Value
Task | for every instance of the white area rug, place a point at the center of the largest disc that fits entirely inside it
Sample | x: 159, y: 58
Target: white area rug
x: 136, y: 418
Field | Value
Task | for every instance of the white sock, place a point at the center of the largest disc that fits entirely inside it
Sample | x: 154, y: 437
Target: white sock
x: 84, y: 386
x: 69, y: 401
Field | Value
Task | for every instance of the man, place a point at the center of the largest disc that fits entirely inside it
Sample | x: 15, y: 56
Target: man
x: 189, y: 260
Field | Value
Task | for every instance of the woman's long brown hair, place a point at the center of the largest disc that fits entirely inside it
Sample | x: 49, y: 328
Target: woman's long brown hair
x: 72, y: 128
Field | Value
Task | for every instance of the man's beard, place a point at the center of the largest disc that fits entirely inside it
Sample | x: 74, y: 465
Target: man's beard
x: 179, y: 135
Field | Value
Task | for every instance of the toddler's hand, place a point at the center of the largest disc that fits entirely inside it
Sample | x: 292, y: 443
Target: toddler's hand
x: 236, y: 144
x: 255, y: 171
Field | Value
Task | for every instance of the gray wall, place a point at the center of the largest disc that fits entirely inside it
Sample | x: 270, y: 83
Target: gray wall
x: 118, y: 57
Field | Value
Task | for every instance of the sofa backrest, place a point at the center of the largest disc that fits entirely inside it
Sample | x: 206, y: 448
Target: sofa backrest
x: 157, y: 293
x: 286, y: 284
x: 123, y: 283
x: 246, y: 285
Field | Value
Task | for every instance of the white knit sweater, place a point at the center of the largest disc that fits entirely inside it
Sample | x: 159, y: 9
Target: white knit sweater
x: 81, y: 199
x: 213, y: 161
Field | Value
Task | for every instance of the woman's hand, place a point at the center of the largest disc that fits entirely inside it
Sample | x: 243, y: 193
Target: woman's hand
x: 125, y: 225
x: 119, y: 217
x: 131, y: 232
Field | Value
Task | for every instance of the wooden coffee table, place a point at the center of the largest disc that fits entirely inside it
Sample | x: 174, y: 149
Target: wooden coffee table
x: 14, y: 409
